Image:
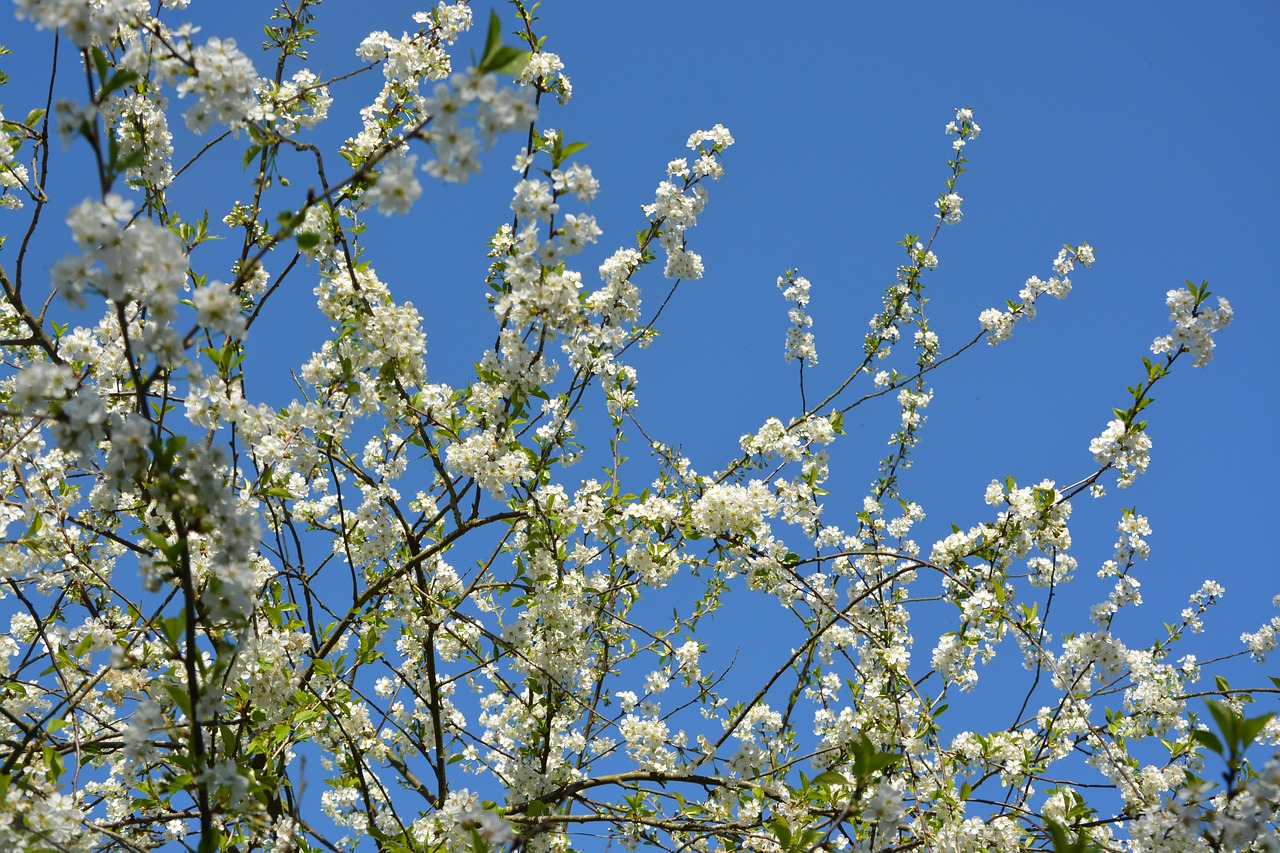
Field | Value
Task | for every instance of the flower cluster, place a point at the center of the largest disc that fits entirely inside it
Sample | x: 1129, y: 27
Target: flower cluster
x: 224, y: 82
x: 734, y: 511
x: 297, y: 104
x: 799, y: 346
x: 949, y: 208
x: 676, y: 206
x: 457, y: 145
x: 84, y: 23
x: 999, y: 324
x: 140, y: 263
x: 1124, y: 447
x: 964, y: 128
x: 405, y: 60
x: 1263, y: 642
x: 397, y: 187
x: 13, y: 175
x: 1194, y: 324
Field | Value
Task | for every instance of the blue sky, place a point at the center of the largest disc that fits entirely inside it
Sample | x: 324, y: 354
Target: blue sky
x: 1145, y: 129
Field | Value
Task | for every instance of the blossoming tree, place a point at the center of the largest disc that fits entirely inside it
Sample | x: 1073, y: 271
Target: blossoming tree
x: 412, y: 595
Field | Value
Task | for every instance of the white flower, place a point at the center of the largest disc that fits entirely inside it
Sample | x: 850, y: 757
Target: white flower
x: 219, y: 309
x: 949, y: 208
x: 800, y: 345
x: 223, y: 80
x: 1194, y: 326
x: 1127, y: 449
x: 533, y: 200
x: 735, y: 511
x: 397, y: 187
x: 998, y: 325
x: 541, y: 65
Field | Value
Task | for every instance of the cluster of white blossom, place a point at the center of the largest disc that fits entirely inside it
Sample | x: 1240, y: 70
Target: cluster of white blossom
x: 773, y: 439
x: 406, y: 60
x: 799, y: 345
x: 397, y: 187
x: 13, y: 175
x: 142, y: 262
x: 297, y: 104
x: 84, y: 23
x: 1194, y: 325
x: 1262, y: 642
x: 449, y: 20
x: 1124, y: 447
x: 386, y: 335
x: 676, y: 206
x: 734, y: 511
x: 218, y: 309
x: 538, y: 291
x: 224, y: 82
x: 949, y: 208
x: 999, y: 324
x: 545, y: 72
x: 1130, y: 548
x: 414, y: 60
x: 1209, y: 593
x: 141, y: 127
x: 618, y: 301
x: 647, y: 739
x: 577, y: 231
x: 913, y: 404
x: 35, y: 817
x: 533, y: 201
x: 1243, y: 818
x: 491, y: 465
x: 497, y: 110
x: 1087, y: 656
x: 964, y: 128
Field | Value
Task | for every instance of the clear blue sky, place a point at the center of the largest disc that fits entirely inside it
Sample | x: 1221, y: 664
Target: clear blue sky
x: 1145, y: 129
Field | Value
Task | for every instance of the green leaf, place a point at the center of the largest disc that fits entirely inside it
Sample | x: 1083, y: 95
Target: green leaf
x: 1251, y: 728
x: 571, y: 149
x: 174, y: 627
x: 781, y: 831
x: 830, y: 777
x: 100, y: 62
x: 211, y: 841
x: 499, y: 58
x: 118, y: 81
x: 508, y: 60
x: 1062, y: 842
x: 1208, y: 739
x: 492, y: 38
x: 1226, y: 719
x: 54, y: 765
x: 179, y: 697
